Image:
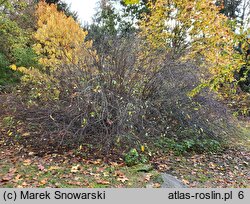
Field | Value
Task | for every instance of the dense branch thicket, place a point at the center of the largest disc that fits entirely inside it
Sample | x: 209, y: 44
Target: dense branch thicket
x: 121, y: 98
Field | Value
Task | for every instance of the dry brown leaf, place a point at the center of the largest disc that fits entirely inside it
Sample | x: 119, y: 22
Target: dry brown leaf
x: 105, y: 174
x: 75, y: 169
x: 26, y: 134
x: 98, y: 161
x: 27, y: 162
x: 103, y: 182
x: 156, y: 185
x: 185, y: 181
x: 43, y: 182
x: 118, y: 173
x: 53, y: 168
x: 78, y: 183
x: 24, y: 184
x: 123, y: 179
x: 40, y: 167
x: 114, y: 164
x: 147, y: 177
x: 17, y: 178
x: 163, y: 167
x: 211, y: 165
x: 7, y: 177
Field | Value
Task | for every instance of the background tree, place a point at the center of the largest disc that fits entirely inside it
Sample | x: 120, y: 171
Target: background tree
x: 58, y: 36
x: 16, y: 27
x: 238, y: 12
x: 62, y: 6
x: 59, y: 41
x: 200, y: 32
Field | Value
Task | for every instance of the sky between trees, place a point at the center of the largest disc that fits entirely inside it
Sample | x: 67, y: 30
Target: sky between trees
x: 84, y: 8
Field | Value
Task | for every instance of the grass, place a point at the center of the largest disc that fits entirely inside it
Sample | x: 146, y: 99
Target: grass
x: 91, y: 174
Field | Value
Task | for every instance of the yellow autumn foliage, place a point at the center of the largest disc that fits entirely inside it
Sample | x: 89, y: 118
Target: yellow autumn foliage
x: 199, y: 28
x: 59, y: 38
x: 60, y: 45
x: 43, y: 86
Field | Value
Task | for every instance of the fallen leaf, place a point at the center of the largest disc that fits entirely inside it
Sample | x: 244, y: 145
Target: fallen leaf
x: 163, y: 167
x: 12, y: 170
x: 53, y: 168
x: 75, y: 169
x: 211, y: 165
x: 114, y: 164
x: 100, y: 169
x: 103, y: 182
x: 95, y: 175
x: 43, y: 182
x: 118, y: 173
x: 156, y: 185
x: 123, y: 179
x: 147, y: 177
x: 78, y: 183
x: 40, y: 167
x: 185, y: 181
x: 26, y: 134
x: 24, y: 184
x: 27, y: 162
x: 98, y: 161
x: 105, y: 174
x: 17, y: 178
x: 7, y: 177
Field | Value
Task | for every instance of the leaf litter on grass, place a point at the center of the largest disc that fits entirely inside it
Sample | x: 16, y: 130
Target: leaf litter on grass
x: 59, y: 171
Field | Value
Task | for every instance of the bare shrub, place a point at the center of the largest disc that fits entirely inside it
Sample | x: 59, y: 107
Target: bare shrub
x: 183, y: 117
x: 121, y: 98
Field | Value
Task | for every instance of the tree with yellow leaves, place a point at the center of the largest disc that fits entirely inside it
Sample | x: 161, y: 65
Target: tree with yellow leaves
x: 59, y: 38
x: 61, y: 48
x: 197, y: 30
x: 196, y: 27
